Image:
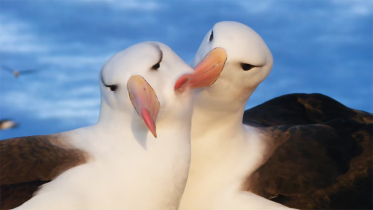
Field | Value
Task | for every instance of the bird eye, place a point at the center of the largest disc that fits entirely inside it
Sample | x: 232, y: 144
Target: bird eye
x: 112, y: 87
x: 156, y: 66
x: 211, y: 36
x: 246, y: 66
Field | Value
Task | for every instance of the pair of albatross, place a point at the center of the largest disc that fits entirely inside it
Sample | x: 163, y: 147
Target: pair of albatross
x: 298, y: 150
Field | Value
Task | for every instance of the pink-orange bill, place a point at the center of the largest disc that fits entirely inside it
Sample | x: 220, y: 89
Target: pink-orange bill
x: 144, y: 100
x: 205, y: 73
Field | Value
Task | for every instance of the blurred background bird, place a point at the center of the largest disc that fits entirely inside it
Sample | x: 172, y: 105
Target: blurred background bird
x: 7, y: 124
x: 16, y: 72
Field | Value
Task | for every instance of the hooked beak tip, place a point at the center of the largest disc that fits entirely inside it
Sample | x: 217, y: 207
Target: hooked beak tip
x: 149, y: 121
x: 181, y: 83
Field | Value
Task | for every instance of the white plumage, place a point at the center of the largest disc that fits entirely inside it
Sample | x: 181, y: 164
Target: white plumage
x: 128, y: 168
x: 224, y: 151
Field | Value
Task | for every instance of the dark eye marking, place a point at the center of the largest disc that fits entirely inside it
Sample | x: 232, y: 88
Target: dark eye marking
x: 158, y: 64
x: 246, y: 66
x: 211, y: 36
x: 112, y: 87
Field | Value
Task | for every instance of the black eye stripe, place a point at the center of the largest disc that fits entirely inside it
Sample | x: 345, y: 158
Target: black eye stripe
x: 112, y: 87
x: 246, y: 66
x: 211, y: 36
x: 158, y: 64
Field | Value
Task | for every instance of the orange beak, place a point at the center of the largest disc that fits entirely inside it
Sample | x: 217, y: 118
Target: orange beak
x: 144, y: 100
x: 206, y: 72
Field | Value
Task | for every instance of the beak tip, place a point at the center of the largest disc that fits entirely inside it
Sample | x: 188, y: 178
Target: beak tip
x: 152, y: 129
x: 205, y: 73
x: 149, y: 121
x: 181, y: 83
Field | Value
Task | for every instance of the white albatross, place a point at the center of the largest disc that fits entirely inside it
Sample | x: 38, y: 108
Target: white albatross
x: 116, y: 163
x: 300, y: 150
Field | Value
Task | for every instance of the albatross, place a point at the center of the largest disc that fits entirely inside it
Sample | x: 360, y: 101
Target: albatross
x: 296, y: 151
x: 135, y: 157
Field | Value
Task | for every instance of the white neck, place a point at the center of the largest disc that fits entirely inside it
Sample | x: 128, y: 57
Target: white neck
x: 224, y: 152
x: 217, y: 131
x: 213, y: 112
x: 162, y: 162
x: 131, y: 168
